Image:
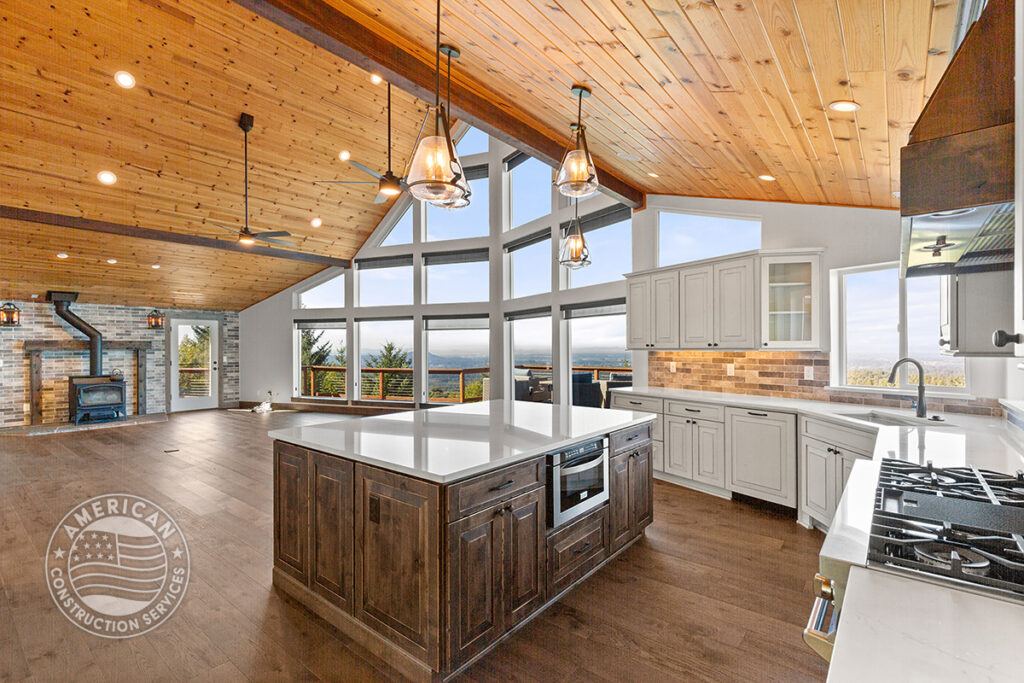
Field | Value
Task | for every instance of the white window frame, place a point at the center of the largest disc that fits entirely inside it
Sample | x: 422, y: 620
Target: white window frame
x: 837, y: 379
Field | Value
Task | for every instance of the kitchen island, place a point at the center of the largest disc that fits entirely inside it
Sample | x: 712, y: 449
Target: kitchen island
x: 427, y: 536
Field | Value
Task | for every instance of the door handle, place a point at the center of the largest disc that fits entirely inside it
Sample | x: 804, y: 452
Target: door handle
x: 1001, y: 338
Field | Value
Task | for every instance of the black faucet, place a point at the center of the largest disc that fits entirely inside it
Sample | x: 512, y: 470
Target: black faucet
x: 921, y: 410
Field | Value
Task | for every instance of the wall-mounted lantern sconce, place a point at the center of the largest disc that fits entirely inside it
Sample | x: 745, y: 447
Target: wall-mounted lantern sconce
x: 10, y: 315
x: 155, y: 320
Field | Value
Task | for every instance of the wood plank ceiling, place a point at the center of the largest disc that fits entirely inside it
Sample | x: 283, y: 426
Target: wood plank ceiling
x: 176, y: 148
x: 707, y: 94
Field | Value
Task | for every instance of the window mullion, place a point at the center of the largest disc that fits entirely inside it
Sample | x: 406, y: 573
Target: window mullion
x: 904, y: 373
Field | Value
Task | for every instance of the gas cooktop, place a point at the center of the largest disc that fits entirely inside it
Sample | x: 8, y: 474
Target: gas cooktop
x: 960, y: 524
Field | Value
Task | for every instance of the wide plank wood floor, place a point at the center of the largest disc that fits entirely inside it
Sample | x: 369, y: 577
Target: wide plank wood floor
x: 716, y: 591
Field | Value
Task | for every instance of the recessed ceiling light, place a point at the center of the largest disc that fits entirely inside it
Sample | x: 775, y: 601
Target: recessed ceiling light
x: 653, y: 175
x: 124, y: 79
x: 344, y: 155
x: 375, y: 79
x: 62, y: 255
x: 155, y: 266
x: 843, y: 105
x: 767, y: 178
x: 896, y: 194
x: 34, y: 296
x: 316, y: 222
x: 111, y: 261
x: 106, y: 177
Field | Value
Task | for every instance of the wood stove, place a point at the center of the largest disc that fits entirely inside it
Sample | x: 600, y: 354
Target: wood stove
x: 96, y: 399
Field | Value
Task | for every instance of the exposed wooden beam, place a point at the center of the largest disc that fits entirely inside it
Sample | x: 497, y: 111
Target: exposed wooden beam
x: 79, y: 223
x: 329, y: 28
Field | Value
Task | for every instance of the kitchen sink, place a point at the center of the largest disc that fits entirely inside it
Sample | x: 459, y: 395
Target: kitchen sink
x: 894, y: 420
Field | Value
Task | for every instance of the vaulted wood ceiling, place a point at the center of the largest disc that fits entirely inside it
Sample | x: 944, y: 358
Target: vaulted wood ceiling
x: 175, y: 145
x: 708, y: 94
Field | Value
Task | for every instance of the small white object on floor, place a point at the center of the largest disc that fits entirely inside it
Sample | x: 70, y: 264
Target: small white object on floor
x: 262, y: 408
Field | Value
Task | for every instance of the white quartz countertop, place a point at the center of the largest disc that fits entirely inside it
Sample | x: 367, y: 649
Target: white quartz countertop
x: 897, y: 628
x: 447, y: 444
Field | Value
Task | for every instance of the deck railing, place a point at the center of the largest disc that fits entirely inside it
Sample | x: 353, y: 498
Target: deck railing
x: 323, y: 380
x: 599, y: 372
x: 193, y: 382
x: 394, y: 384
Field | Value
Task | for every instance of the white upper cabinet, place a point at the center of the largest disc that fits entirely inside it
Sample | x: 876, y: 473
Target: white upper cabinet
x: 638, y: 312
x: 652, y: 311
x: 734, y: 304
x: 790, y: 302
x: 697, y: 302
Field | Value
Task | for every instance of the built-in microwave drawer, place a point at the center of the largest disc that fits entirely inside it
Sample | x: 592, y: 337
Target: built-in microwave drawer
x: 479, y: 492
x: 633, y: 402
x: 576, y: 549
x: 630, y: 438
x: 698, y: 411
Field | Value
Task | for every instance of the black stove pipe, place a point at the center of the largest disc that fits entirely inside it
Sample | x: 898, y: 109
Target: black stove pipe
x: 62, y: 307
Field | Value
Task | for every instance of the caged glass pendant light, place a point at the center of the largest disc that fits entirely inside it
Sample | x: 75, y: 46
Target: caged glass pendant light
x: 573, y: 252
x: 462, y: 197
x: 435, y: 172
x: 577, y: 176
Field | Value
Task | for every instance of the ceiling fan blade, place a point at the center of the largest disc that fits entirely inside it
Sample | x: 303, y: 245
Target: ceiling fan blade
x: 273, y: 233
x: 224, y: 227
x: 344, y: 182
x: 364, y: 169
x: 271, y: 240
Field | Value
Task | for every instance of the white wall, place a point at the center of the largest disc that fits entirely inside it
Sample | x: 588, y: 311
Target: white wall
x: 265, y: 353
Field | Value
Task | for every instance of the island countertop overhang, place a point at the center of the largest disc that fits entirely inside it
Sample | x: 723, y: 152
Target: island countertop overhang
x: 451, y: 443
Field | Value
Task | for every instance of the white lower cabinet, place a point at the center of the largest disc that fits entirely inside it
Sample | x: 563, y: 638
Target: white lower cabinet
x: 678, y: 447
x: 760, y: 454
x: 658, y: 456
x: 817, y: 479
x: 695, y: 449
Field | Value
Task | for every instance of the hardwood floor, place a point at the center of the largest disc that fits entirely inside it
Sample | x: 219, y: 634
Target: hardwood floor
x: 717, y: 590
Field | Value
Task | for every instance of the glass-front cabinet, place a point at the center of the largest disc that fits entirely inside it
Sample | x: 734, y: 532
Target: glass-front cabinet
x: 790, y: 301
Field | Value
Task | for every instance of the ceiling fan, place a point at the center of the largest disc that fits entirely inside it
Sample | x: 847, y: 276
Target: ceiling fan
x: 246, y: 235
x: 388, y: 184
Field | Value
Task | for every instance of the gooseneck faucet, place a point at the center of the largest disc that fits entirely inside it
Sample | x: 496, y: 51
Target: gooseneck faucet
x: 921, y: 410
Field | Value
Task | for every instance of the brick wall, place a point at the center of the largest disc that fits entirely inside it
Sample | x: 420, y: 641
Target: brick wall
x: 122, y: 323
x: 781, y: 373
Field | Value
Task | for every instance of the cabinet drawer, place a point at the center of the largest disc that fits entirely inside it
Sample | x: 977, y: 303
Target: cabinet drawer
x: 841, y: 437
x: 631, y: 402
x: 576, y: 549
x: 703, y: 411
x: 630, y: 438
x: 478, y: 492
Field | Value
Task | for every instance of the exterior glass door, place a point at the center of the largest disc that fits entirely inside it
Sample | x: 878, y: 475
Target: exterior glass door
x: 194, y: 372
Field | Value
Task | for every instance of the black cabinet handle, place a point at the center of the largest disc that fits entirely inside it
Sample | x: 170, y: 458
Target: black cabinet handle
x: 830, y: 449
x: 691, y: 410
x: 504, y: 486
x: 635, y: 403
x: 582, y: 549
x: 709, y: 343
x: 716, y: 343
x: 1001, y: 338
x: 751, y: 412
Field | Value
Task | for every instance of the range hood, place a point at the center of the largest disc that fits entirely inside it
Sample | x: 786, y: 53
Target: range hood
x: 956, y: 189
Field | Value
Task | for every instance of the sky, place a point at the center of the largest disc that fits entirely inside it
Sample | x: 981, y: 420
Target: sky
x: 686, y: 237
x: 330, y: 294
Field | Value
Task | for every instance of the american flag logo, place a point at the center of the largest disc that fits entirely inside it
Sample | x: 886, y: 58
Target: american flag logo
x: 111, y: 565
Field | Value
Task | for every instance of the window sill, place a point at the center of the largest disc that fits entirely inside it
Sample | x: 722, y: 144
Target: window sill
x: 910, y: 392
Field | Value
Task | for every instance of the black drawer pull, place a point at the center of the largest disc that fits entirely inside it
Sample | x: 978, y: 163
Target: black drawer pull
x: 751, y: 412
x: 635, y: 403
x: 582, y: 549
x: 691, y: 410
x: 504, y: 486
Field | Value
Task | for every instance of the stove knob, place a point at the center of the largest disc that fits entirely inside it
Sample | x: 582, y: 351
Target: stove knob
x: 823, y: 587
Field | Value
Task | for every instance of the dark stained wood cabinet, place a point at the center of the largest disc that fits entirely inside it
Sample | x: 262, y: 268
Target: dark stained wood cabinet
x: 524, y: 556
x: 397, y: 560
x: 332, y: 544
x: 291, y: 510
x: 630, y: 495
x: 576, y: 549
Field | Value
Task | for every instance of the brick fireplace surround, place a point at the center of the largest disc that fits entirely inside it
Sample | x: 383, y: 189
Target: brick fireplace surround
x: 781, y: 373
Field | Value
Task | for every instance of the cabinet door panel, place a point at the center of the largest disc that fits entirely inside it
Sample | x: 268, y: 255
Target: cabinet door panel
x: 844, y: 465
x: 524, y: 562
x: 664, y: 312
x: 817, y: 480
x: 475, y: 574
x: 734, y: 304
x: 638, y: 307
x: 658, y: 456
x: 291, y: 510
x: 619, y: 527
x: 709, y: 452
x: 761, y: 455
x: 641, y: 490
x: 397, y: 557
x: 790, y: 315
x: 678, y: 447
x: 333, y: 545
x: 697, y: 305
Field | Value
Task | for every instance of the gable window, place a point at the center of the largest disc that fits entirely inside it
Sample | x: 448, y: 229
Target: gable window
x: 883, y: 318
x: 322, y: 349
x: 686, y: 237
x: 473, y: 141
x: 529, y: 186
x: 608, y: 233
x: 402, y: 232
x: 470, y: 221
x: 597, y: 351
x: 458, y: 359
x: 329, y: 294
x: 458, y: 276
x: 530, y: 264
x: 385, y: 360
x: 385, y: 281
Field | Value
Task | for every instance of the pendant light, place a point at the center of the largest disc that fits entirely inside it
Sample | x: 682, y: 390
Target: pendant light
x: 577, y: 176
x: 462, y: 197
x: 573, y: 252
x: 435, y: 170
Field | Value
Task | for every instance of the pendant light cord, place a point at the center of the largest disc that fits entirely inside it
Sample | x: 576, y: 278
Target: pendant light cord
x: 389, y: 126
x: 437, y: 70
x: 246, y: 133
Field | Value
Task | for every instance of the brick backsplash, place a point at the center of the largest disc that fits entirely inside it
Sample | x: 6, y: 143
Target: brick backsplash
x: 781, y: 373
x: 122, y: 323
